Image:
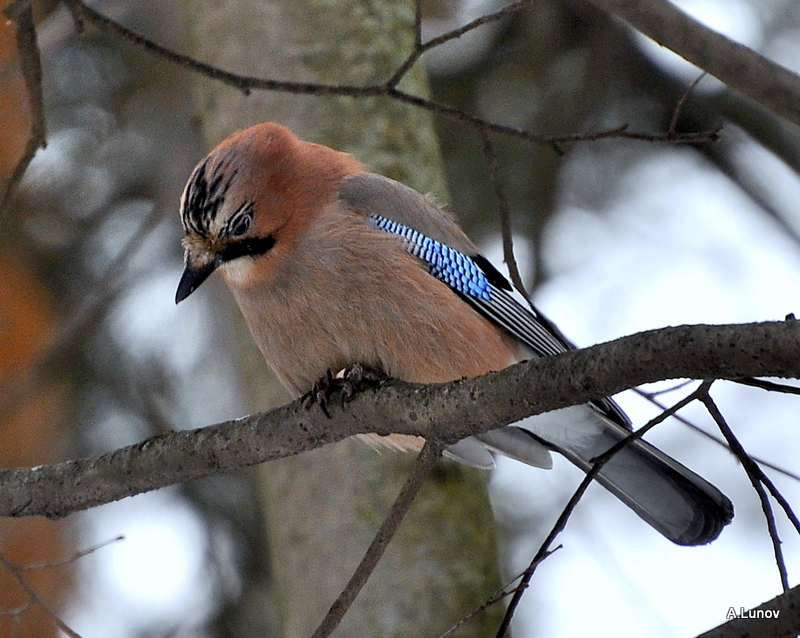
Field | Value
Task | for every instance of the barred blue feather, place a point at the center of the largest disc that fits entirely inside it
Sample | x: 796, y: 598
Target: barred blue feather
x: 457, y: 270
x: 492, y: 298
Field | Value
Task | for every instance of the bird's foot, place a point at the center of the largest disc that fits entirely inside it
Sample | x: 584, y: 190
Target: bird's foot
x: 358, y: 377
x: 320, y: 393
x: 348, y: 381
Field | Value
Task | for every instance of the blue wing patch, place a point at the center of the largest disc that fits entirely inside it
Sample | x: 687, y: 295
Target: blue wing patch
x: 464, y: 275
x: 455, y: 269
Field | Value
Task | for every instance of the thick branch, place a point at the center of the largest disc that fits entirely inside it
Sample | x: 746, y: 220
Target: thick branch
x: 738, y: 66
x: 445, y: 413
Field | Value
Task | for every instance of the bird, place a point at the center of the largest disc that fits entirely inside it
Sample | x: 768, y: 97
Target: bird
x: 334, y: 266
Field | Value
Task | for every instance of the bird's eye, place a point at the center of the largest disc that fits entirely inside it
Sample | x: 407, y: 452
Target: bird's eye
x: 241, y: 225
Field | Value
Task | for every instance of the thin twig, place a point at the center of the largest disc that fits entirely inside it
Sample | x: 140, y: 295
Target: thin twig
x: 766, y: 385
x: 21, y: 13
x: 422, y: 467
x: 770, y: 386
x: 563, y: 518
x: 93, y: 304
x: 785, y: 506
x: 247, y: 83
x: 672, y: 388
x: 71, y: 559
x: 242, y: 82
x: 676, y: 115
x: 473, y: 121
x: 651, y: 397
x: 474, y: 24
x: 756, y: 476
x: 417, y: 26
x: 495, y: 598
x: 505, y: 214
x: 16, y: 612
x: 622, y: 132
x: 33, y: 597
x: 420, y: 48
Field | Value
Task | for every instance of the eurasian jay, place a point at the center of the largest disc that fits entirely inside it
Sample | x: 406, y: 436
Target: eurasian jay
x: 332, y: 265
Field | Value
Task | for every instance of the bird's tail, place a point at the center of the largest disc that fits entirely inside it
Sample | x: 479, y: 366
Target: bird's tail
x: 675, y: 501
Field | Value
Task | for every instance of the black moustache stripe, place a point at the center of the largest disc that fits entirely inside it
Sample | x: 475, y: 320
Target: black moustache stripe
x: 250, y: 247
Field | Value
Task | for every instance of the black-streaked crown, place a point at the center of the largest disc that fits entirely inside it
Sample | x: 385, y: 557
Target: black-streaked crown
x: 204, y: 197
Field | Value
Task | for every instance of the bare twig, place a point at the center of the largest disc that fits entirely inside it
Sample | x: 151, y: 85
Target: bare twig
x: 93, y: 304
x: 420, y: 48
x: 422, y: 467
x: 756, y: 476
x: 651, y: 396
x: 561, y: 522
x: 622, y: 132
x: 676, y: 115
x: 387, y: 89
x: 785, y: 506
x: 672, y: 388
x: 16, y: 612
x: 71, y: 559
x: 242, y: 82
x: 33, y: 597
x: 21, y: 13
x: 417, y: 25
x: 505, y: 215
x: 495, y: 598
x: 769, y: 386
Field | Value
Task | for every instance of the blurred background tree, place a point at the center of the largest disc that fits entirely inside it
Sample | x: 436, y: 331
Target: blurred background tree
x: 613, y: 236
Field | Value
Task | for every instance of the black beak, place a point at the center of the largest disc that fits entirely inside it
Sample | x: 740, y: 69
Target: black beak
x: 192, y: 278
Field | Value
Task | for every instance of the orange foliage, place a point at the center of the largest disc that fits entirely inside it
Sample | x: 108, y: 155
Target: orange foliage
x: 14, y: 110
x: 29, y: 435
x: 29, y: 431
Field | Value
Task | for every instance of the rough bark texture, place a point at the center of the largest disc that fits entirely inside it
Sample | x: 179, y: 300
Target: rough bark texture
x: 446, y: 412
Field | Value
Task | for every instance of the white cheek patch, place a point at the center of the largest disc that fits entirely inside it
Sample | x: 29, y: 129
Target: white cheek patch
x: 238, y: 271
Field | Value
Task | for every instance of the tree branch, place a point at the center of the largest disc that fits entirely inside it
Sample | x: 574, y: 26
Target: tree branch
x: 82, y: 12
x: 757, y: 479
x: 738, y: 66
x: 444, y: 413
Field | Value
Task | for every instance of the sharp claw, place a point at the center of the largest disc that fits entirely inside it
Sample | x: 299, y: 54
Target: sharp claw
x: 323, y: 405
x: 349, y: 381
x: 320, y: 393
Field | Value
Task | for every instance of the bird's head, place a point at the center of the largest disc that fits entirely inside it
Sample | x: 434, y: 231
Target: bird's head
x: 251, y: 197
